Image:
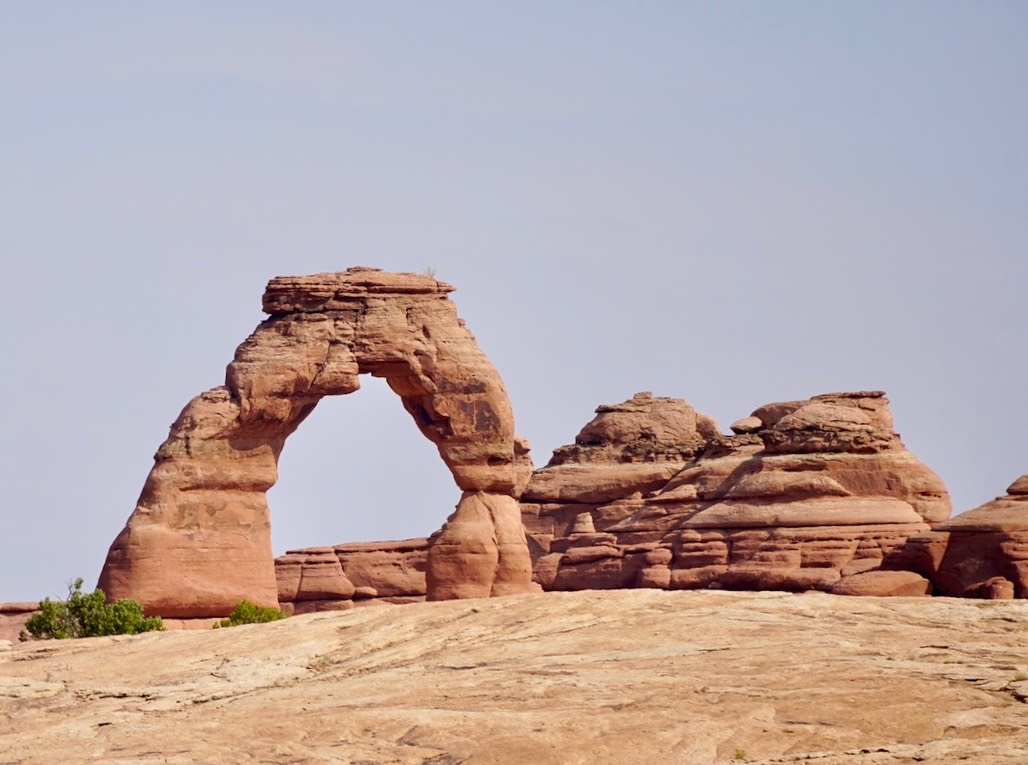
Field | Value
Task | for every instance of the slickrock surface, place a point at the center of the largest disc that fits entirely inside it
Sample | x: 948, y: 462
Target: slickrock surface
x: 637, y: 676
x: 980, y: 553
x: 199, y: 540
x: 805, y: 495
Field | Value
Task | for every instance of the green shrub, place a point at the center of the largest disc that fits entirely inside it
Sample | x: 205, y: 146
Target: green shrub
x: 88, y: 615
x: 248, y: 613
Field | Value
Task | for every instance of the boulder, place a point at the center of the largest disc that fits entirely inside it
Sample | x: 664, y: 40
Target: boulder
x: 749, y: 424
x: 834, y: 422
x: 883, y: 584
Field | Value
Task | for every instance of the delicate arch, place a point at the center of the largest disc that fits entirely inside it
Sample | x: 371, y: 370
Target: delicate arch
x: 199, y: 540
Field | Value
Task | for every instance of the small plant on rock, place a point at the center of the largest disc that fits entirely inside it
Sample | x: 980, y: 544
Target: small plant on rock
x: 249, y: 613
x: 87, y: 615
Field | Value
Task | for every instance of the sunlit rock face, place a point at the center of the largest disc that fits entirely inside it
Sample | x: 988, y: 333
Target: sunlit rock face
x: 806, y: 495
x: 199, y: 539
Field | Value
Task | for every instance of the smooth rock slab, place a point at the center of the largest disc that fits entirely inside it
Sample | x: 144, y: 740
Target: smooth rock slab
x: 640, y: 676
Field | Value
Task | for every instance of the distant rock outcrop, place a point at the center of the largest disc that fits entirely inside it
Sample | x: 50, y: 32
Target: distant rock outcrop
x: 353, y: 574
x: 810, y: 494
x: 199, y: 540
x: 982, y: 553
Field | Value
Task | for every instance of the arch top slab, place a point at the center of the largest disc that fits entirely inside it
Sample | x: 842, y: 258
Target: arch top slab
x: 199, y: 540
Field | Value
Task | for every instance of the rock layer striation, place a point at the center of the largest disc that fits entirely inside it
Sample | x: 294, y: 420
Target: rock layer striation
x: 353, y: 574
x: 806, y: 495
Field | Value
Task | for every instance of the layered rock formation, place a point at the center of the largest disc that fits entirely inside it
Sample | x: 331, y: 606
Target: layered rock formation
x: 348, y: 575
x: 199, y: 541
x: 980, y: 553
x: 810, y: 494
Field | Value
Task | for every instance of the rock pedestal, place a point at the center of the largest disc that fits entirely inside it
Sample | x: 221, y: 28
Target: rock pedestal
x: 199, y: 539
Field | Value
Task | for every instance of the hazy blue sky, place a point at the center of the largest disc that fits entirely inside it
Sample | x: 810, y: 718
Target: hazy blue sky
x: 732, y: 203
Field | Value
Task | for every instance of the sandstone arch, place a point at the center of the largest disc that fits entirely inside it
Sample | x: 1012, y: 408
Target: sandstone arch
x: 199, y: 540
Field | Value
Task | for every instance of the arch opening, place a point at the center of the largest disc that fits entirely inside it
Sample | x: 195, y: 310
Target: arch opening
x: 358, y: 470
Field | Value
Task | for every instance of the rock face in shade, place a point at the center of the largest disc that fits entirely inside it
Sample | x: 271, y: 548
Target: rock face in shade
x: 982, y: 553
x: 806, y: 495
x: 199, y: 540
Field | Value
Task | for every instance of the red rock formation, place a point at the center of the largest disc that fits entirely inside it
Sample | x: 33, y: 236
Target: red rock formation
x: 357, y: 573
x: 199, y: 540
x: 805, y: 496
x: 883, y: 584
x: 13, y: 617
x: 982, y: 553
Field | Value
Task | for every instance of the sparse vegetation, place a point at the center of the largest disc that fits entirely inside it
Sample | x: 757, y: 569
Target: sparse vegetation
x: 430, y: 271
x: 250, y: 613
x: 740, y: 755
x: 321, y: 664
x: 87, y: 615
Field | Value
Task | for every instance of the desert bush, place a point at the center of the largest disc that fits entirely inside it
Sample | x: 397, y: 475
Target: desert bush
x: 249, y: 613
x: 87, y: 615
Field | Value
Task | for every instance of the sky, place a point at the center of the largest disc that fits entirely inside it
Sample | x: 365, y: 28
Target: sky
x: 731, y: 203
